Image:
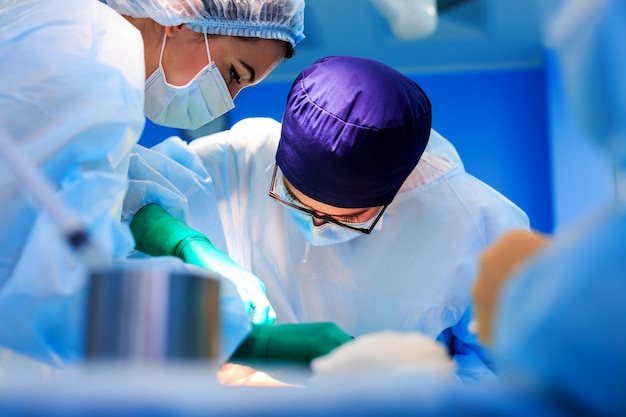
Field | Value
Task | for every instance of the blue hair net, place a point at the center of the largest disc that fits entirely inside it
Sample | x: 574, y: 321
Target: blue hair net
x: 268, y: 19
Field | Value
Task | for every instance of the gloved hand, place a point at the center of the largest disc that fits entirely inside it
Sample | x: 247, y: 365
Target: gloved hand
x: 290, y: 342
x: 157, y: 233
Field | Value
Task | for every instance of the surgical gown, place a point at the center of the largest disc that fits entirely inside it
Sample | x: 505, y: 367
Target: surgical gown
x: 413, y: 273
x: 561, y: 320
x: 71, y: 97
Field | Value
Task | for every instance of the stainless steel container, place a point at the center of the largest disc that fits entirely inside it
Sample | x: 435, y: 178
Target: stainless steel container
x: 152, y: 316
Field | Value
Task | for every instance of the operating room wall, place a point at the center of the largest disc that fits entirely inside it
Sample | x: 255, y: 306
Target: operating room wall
x: 497, y: 119
x: 583, y: 176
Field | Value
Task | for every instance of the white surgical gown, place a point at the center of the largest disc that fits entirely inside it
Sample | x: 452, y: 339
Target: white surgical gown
x: 71, y: 96
x: 414, y: 273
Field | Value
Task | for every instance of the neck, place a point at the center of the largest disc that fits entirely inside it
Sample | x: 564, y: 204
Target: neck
x: 152, y: 35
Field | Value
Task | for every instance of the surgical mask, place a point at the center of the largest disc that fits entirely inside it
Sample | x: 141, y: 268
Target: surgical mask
x: 326, y: 234
x: 190, y: 106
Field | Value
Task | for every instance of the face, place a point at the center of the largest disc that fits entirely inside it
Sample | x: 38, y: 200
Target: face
x: 241, y: 61
x: 347, y: 215
x: 245, y: 61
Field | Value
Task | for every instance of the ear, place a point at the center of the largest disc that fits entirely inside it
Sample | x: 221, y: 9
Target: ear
x: 173, y: 31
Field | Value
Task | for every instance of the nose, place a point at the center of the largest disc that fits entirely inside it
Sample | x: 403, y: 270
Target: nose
x: 318, y: 222
x: 234, y: 89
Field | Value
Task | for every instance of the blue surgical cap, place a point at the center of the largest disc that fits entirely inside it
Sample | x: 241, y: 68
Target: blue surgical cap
x: 267, y: 19
x: 352, y: 131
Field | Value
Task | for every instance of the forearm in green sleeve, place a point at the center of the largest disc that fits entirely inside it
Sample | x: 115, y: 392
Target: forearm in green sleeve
x: 157, y: 233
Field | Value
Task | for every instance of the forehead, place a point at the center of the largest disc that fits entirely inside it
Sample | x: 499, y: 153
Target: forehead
x: 262, y: 52
x: 319, y: 206
x: 252, y: 58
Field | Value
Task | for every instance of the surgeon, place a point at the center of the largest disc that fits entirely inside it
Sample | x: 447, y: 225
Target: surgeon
x: 342, y: 210
x: 82, y: 78
x: 552, y: 309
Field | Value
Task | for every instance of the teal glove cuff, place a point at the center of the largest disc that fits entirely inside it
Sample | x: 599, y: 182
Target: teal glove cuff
x: 255, y: 346
x: 300, y: 343
x: 157, y: 233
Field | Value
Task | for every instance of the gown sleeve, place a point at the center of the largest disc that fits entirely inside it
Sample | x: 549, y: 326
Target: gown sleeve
x: 72, y: 100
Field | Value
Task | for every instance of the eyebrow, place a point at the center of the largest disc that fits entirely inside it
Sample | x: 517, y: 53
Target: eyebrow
x: 354, y: 214
x: 250, y: 70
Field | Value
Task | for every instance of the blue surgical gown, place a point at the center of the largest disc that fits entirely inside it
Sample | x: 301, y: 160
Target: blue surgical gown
x: 561, y: 321
x: 71, y: 97
x: 413, y: 273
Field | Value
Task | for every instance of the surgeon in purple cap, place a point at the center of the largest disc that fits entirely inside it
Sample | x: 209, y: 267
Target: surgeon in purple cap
x: 353, y: 210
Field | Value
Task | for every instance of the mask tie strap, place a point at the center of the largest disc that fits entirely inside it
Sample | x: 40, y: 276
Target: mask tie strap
x: 161, y: 58
x: 162, y: 50
x: 206, y: 42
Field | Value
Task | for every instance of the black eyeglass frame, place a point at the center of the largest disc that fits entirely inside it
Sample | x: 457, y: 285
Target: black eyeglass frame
x: 326, y: 218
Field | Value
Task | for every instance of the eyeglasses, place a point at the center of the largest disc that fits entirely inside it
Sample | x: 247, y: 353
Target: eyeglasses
x: 365, y: 227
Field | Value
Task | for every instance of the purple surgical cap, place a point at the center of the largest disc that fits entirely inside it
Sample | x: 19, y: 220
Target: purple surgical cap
x: 352, y: 131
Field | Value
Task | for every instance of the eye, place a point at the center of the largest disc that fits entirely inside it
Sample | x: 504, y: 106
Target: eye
x: 294, y: 199
x: 234, y: 75
x: 348, y: 219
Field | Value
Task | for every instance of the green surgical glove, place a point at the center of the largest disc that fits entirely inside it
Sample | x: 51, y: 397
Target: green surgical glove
x: 157, y: 233
x: 299, y: 343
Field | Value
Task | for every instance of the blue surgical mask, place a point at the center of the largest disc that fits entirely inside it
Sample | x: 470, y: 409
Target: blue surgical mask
x: 326, y: 234
x: 190, y: 106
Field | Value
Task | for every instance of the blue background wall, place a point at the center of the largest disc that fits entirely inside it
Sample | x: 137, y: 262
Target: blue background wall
x: 583, y: 176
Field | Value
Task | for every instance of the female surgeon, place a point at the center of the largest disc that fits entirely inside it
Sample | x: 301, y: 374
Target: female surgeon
x: 81, y: 76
